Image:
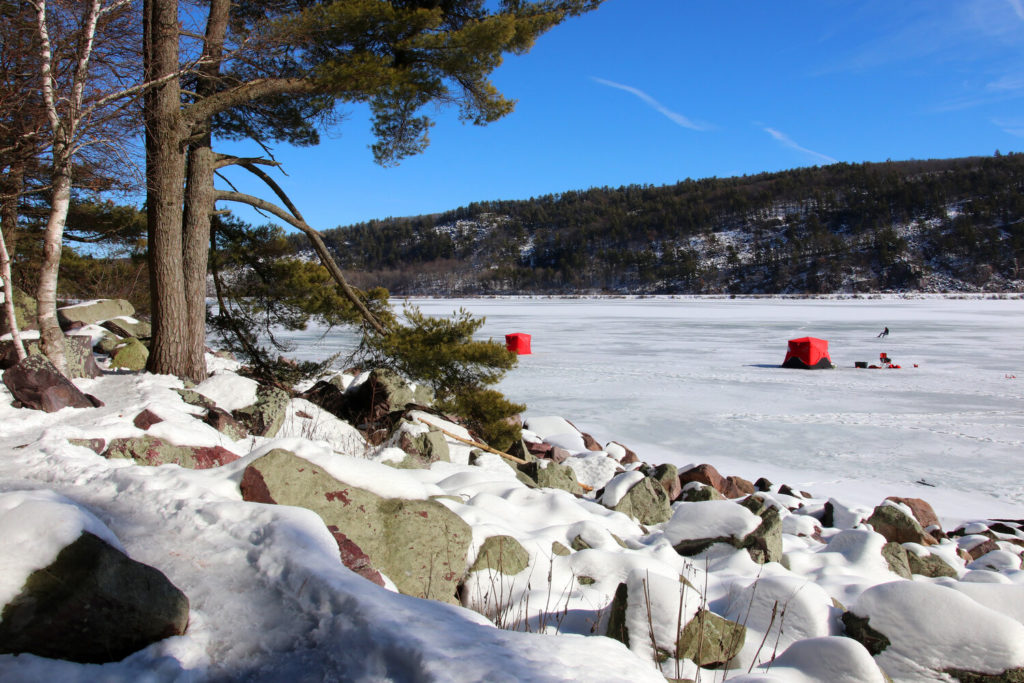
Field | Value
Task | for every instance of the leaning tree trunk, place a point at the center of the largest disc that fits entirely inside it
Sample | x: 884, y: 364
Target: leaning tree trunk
x: 8, y: 288
x: 165, y: 169
x: 10, y: 189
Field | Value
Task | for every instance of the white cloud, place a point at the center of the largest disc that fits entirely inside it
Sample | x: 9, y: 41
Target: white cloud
x: 675, y: 117
x: 789, y: 142
x: 1011, y: 126
x: 1018, y: 7
x: 1007, y: 84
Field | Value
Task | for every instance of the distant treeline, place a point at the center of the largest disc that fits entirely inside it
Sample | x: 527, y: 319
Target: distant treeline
x: 955, y: 223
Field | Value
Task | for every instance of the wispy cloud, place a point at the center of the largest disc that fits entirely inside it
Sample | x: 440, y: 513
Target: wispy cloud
x: 1011, y: 126
x: 789, y: 142
x: 1009, y: 83
x: 675, y: 117
x: 1018, y: 7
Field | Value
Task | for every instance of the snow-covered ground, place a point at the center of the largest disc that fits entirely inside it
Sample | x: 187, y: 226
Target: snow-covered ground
x: 691, y: 380
x: 676, y: 380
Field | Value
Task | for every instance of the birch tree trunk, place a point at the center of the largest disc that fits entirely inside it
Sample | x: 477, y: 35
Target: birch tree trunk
x: 51, y: 338
x: 65, y: 114
x: 8, y: 283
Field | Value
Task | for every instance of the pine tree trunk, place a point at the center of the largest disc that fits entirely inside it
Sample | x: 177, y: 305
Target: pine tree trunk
x: 165, y: 169
x: 199, y: 196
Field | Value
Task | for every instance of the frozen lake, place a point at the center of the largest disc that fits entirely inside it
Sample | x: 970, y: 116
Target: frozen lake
x: 694, y: 380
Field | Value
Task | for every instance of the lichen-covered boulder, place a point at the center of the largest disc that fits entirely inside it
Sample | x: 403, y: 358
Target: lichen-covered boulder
x: 25, y: 308
x: 125, y: 326
x: 695, y: 527
x: 647, y: 610
x: 422, y: 444
x: 668, y: 476
x: 930, y: 565
x: 382, y: 393
x: 149, y: 450
x: 130, y: 355
x: 923, y: 512
x: 225, y: 423
x: 553, y: 476
x: 266, y: 416
x: 897, y: 526
x: 420, y: 545
x: 77, y: 354
x: 646, y: 502
x: 107, y: 343
x: 503, y: 554
x: 35, y: 383
x: 93, y: 604
x: 696, y: 492
x: 896, y: 556
x: 93, y: 311
x: 711, y: 641
x: 329, y: 395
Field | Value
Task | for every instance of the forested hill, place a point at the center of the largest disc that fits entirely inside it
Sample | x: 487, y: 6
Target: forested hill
x: 937, y: 225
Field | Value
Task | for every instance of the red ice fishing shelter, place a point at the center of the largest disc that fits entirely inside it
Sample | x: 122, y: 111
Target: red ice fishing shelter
x: 518, y: 343
x: 808, y: 353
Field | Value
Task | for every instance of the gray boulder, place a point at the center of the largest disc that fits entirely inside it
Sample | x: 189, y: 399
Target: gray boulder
x: 420, y: 544
x: 93, y: 312
x: 94, y: 604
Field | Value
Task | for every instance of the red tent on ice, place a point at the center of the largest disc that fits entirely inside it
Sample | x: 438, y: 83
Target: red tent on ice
x: 808, y: 353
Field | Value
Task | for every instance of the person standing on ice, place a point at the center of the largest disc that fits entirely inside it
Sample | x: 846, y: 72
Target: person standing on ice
x: 884, y: 333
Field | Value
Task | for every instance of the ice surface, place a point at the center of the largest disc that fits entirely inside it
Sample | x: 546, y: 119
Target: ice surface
x: 685, y: 380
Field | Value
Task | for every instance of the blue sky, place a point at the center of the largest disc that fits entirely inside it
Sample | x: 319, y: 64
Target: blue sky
x: 657, y: 91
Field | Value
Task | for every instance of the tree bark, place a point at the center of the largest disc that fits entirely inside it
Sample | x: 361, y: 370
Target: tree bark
x: 51, y: 337
x: 8, y: 284
x: 199, y: 198
x: 165, y: 169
